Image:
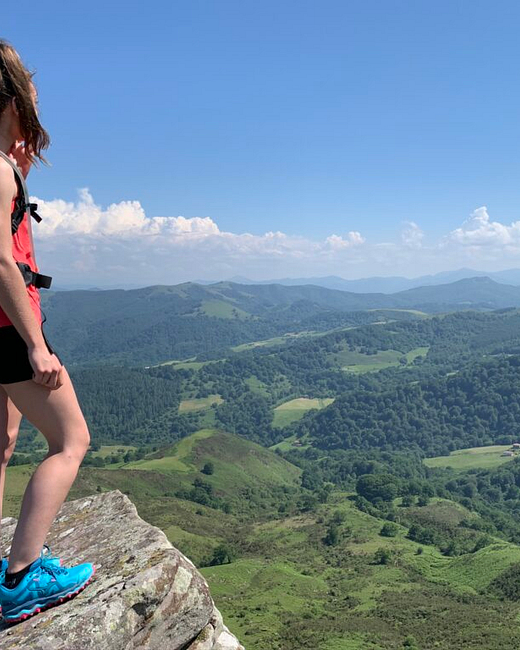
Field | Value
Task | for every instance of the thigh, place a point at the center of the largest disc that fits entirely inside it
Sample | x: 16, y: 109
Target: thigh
x: 56, y: 413
x: 10, y: 418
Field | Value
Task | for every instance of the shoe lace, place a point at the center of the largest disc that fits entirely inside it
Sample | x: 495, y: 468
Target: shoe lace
x: 48, y: 555
x: 52, y: 569
x: 47, y: 565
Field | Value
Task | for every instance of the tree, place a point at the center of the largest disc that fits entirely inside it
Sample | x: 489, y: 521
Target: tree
x: 222, y: 554
x: 377, y: 486
x: 382, y: 556
x: 332, y: 536
x: 208, y: 468
x: 389, y: 530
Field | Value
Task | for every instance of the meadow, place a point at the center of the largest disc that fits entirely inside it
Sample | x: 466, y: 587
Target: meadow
x: 472, y: 458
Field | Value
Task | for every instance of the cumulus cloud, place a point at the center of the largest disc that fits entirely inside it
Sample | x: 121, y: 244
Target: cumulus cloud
x: 81, y: 242
x: 412, y: 236
x: 83, y: 238
x: 337, y: 242
x: 480, y: 231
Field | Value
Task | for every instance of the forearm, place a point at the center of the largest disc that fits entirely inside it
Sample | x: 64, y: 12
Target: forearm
x: 15, y: 302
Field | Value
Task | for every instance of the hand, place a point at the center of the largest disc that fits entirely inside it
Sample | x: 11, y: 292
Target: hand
x: 46, y: 366
x: 17, y: 154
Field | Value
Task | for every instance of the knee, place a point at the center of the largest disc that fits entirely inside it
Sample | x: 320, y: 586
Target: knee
x: 7, y: 448
x: 77, y: 447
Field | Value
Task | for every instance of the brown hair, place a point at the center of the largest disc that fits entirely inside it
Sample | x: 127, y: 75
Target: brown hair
x: 16, y: 81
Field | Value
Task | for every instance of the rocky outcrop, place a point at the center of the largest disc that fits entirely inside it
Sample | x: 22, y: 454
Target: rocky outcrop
x: 145, y: 595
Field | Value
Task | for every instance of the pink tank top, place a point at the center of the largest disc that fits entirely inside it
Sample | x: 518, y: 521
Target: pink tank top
x: 22, y: 253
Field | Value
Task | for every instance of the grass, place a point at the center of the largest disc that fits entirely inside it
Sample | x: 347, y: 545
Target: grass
x: 417, y: 352
x: 222, y: 309
x: 253, y: 593
x: 199, y: 403
x: 358, y: 362
x: 287, y: 443
x: 473, y: 458
x: 107, y: 450
x: 287, y: 590
x: 185, y: 363
x: 294, y: 409
x: 16, y: 480
x: 237, y: 463
x: 296, y: 586
x: 257, y: 386
x: 275, y: 340
x: 178, y: 458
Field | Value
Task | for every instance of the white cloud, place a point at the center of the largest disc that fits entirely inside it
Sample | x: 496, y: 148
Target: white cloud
x: 83, y: 239
x: 337, y: 242
x: 480, y: 231
x: 80, y: 242
x: 412, y: 236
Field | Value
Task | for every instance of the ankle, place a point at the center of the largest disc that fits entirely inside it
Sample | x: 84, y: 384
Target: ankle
x: 15, y: 567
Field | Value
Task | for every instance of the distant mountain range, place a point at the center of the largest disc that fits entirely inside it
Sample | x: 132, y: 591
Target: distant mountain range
x: 390, y: 284
x: 375, y: 284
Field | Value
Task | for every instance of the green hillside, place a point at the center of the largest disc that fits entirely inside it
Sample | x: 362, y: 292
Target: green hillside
x: 298, y: 592
x: 478, y: 406
x: 159, y: 323
x: 238, y: 463
x: 290, y: 572
x: 280, y: 440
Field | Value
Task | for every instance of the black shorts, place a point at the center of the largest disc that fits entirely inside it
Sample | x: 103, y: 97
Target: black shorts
x: 14, y: 358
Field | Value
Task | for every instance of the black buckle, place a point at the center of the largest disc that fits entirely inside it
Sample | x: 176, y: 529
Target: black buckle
x: 30, y: 277
x: 42, y: 281
x: 32, y: 209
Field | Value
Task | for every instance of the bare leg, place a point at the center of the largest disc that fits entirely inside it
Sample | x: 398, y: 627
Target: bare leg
x: 10, y: 418
x: 57, y: 414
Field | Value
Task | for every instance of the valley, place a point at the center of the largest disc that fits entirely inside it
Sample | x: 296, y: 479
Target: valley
x: 337, y: 476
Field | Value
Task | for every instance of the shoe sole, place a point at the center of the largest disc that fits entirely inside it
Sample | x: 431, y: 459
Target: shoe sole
x: 40, y: 608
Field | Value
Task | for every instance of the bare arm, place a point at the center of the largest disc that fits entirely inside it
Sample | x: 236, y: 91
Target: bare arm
x: 14, y: 299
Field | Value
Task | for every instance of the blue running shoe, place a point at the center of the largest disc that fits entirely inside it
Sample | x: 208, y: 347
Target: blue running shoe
x: 44, y: 585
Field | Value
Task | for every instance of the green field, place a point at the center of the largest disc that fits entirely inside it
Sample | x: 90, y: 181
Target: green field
x: 198, y: 404
x: 293, y: 410
x: 238, y: 462
x: 473, y: 458
x: 222, y: 309
x: 417, y: 352
x: 257, y: 386
x: 106, y: 450
x: 187, y: 363
x: 358, y: 362
x: 276, y: 340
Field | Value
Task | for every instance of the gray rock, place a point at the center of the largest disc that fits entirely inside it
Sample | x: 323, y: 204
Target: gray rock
x: 145, y: 595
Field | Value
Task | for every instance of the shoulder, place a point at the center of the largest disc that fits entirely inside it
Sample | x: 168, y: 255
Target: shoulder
x: 7, y: 179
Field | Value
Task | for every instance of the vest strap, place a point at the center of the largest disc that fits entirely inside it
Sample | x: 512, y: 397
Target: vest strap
x: 40, y: 281
x: 23, y: 205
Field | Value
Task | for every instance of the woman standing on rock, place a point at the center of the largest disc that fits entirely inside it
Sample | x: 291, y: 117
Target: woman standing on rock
x: 33, y: 381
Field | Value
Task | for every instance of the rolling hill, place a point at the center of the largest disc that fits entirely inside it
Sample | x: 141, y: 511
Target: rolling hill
x: 159, y: 323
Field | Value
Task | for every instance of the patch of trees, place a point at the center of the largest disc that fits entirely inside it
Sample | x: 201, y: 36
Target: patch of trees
x: 476, y: 407
x: 202, y: 492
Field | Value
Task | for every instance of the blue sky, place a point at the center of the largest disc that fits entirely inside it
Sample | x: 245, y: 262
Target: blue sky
x: 385, y: 124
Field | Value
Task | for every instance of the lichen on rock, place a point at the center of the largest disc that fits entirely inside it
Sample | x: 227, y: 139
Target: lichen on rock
x: 145, y: 594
